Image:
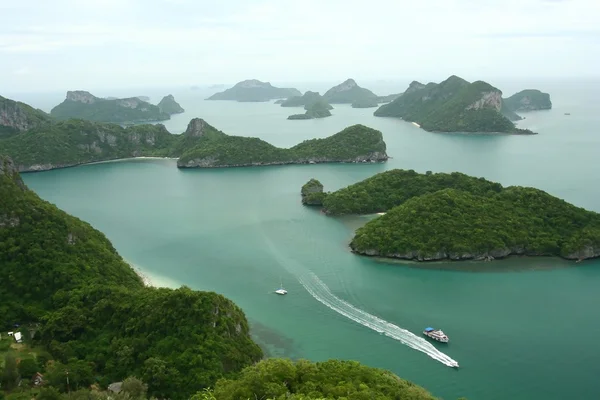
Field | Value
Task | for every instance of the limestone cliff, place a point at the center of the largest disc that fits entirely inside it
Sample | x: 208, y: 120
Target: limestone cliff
x: 18, y: 117
x: 312, y: 193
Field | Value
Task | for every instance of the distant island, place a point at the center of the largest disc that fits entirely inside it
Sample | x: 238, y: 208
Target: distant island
x: 529, y: 100
x: 454, y: 105
x: 365, y: 103
x: 18, y: 117
x: 213, y: 148
x: 454, y: 216
x: 254, y: 90
x: 168, y: 105
x: 316, y: 109
x: 58, y: 144
x: 348, y: 92
x: 388, y: 98
x: 301, y: 101
x: 84, y: 105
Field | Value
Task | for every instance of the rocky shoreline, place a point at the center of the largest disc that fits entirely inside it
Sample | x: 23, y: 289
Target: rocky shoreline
x: 210, y: 162
x: 584, y: 254
x: 50, y: 167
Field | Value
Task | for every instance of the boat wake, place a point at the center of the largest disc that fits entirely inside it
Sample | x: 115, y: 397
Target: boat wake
x: 321, y: 292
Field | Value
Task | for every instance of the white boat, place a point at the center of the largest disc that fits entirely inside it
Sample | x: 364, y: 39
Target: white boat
x: 281, y: 290
x: 436, y: 334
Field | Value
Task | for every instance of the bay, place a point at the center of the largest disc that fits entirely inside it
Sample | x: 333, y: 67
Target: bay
x: 520, y: 328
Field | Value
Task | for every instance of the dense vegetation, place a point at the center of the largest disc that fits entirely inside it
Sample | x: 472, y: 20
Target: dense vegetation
x: 348, y: 92
x: 254, y: 90
x: 529, y: 100
x: 385, y: 190
x: 353, y: 144
x: 312, y: 193
x: 75, y: 142
x: 284, y: 379
x: 18, y: 117
x: 453, y: 105
x: 168, y: 105
x: 43, y: 251
x: 95, y: 317
x: 316, y: 109
x: 455, y: 224
x: 119, y: 111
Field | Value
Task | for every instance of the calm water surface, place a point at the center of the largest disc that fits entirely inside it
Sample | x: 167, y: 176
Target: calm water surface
x: 520, y: 328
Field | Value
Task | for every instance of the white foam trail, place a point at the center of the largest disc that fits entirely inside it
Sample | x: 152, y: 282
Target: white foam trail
x: 319, y: 290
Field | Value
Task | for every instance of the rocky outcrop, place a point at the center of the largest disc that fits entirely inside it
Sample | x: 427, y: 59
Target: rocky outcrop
x: 413, y: 87
x: 488, y: 100
x: 312, y: 193
x: 169, y: 106
x: 81, y: 96
x: 19, y: 117
x: 253, y: 90
x: 9, y: 170
x: 213, y: 161
x: 196, y: 127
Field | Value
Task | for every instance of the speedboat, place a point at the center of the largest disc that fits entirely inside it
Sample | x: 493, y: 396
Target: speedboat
x: 436, y: 334
x: 281, y: 291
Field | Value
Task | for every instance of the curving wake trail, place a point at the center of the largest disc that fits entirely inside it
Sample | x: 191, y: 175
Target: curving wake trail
x: 319, y: 290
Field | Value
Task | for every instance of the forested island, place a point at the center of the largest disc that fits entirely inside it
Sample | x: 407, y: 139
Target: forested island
x: 529, y: 100
x: 348, y: 92
x: 209, y: 148
x: 253, y: 90
x: 312, y: 193
x: 51, y: 144
x: 316, y: 109
x: 458, y: 217
x: 454, y: 105
x: 84, y: 105
x: 168, y: 105
x: 301, y: 101
x: 91, y: 329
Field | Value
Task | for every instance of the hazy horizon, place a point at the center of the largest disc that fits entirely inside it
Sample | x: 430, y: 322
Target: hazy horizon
x: 129, y: 44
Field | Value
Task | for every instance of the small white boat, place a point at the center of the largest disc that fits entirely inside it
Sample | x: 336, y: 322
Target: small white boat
x: 281, y: 290
x: 436, y: 334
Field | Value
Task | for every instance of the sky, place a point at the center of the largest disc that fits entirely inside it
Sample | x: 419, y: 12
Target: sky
x: 73, y: 44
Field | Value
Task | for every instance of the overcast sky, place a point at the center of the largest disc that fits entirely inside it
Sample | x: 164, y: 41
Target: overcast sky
x: 87, y: 44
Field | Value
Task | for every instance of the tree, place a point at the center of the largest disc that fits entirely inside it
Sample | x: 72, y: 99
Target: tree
x: 135, y: 388
x: 28, y: 368
x: 10, y: 375
x: 48, y: 393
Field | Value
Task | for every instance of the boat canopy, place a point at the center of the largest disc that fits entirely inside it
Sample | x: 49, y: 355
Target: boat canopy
x: 429, y: 329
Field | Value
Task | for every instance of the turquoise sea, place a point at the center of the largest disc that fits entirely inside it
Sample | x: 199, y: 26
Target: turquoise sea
x: 520, y: 328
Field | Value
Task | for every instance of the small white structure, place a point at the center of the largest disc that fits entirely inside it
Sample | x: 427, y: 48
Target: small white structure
x: 18, y: 337
x: 11, y: 333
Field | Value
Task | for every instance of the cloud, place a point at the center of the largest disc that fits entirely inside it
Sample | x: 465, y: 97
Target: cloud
x: 185, y: 41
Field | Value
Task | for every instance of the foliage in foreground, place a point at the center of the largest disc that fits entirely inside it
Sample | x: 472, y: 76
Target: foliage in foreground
x: 284, y: 379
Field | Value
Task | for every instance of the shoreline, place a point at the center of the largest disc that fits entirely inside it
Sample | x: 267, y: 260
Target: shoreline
x: 129, y: 158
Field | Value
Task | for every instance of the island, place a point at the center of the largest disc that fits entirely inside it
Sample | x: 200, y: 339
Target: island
x: 312, y: 193
x: 17, y: 117
x: 316, y: 109
x: 365, y: 103
x: 253, y: 90
x: 75, y: 142
x: 453, y: 105
x: 388, y: 98
x: 84, y: 105
x: 355, y: 144
x: 348, y: 92
x: 60, y: 144
x: 438, y: 216
x: 168, y: 105
x: 301, y: 101
x: 529, y: 100
x: 88, y: 293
